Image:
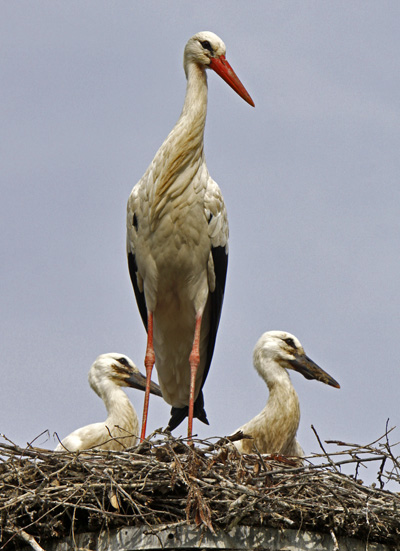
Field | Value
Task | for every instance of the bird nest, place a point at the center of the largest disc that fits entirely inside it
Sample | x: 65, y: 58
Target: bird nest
x: 166, y: 481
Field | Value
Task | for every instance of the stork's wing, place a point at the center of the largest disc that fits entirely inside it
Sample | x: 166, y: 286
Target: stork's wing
x: 218, y: 232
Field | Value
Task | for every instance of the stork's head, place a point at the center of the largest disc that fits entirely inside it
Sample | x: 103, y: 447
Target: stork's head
x: 118, y: 369
x: 284, y: 349
x: 207, y: 50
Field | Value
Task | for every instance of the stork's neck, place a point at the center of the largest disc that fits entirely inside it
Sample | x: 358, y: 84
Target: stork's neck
x: 187, y: 135
x: 282, y: 410
x: 195, y: 106
x: 181, y: 155
x: 279, y: 384
x: 119, y: 408
x: 282, y: 390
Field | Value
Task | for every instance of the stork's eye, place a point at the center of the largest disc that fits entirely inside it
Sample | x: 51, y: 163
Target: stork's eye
x: 123, y: 361
x: 290, y: 342
x: 207, y: 46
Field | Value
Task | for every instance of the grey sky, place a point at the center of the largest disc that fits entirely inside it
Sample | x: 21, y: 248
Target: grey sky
x: 310, y: 178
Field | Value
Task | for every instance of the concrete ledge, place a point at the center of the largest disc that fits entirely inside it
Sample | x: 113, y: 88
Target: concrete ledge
x: 189, y: 537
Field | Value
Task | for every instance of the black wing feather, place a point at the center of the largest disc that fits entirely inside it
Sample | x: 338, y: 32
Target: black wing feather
x: 220, y: 259
x: 140, y: 299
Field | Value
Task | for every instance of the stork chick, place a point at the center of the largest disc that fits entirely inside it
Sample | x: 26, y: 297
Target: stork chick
x: 274, y: 429
x: 177, y: 244
x: 107, y: 375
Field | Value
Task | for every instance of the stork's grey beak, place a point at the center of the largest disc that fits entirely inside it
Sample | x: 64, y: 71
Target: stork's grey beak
x: 310, y: 370
x: 138, y: 381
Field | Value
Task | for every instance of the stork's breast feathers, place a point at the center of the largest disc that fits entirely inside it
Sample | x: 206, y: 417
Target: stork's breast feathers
x: 185, y: 217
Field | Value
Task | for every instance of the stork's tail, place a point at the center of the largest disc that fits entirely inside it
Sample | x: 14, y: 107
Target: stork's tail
x: 179, y: 414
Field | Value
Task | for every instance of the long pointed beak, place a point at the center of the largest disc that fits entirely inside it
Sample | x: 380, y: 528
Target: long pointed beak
x: 310, y: 370
x: 138, y: 381
x: 225, y: 71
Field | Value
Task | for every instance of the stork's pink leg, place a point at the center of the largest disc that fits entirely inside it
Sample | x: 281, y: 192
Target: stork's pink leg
x: 194, y: 360
x: 149, y: 361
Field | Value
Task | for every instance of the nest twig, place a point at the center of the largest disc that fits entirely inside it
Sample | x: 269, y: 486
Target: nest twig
x: 45, y: 495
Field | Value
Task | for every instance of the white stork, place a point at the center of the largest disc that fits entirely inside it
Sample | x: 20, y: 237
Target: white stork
x: 106, y: 377
x: 274, y: 429
x: 177, y: 244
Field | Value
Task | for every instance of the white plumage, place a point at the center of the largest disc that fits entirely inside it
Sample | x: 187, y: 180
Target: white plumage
x: 107, y: 375
x: 177, y: 244
x: 274, y: 429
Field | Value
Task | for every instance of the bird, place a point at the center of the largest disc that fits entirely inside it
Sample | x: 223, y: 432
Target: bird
x: 177, y: 244
x: 273, y: 430
x: 107, y: 375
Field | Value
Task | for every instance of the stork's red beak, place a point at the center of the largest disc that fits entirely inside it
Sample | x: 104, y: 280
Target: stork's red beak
x: 225, y: 71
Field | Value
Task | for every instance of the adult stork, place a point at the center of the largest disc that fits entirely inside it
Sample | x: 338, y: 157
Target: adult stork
x: 177, y: 244
x: 107, y: 375
x: 274, y: 429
